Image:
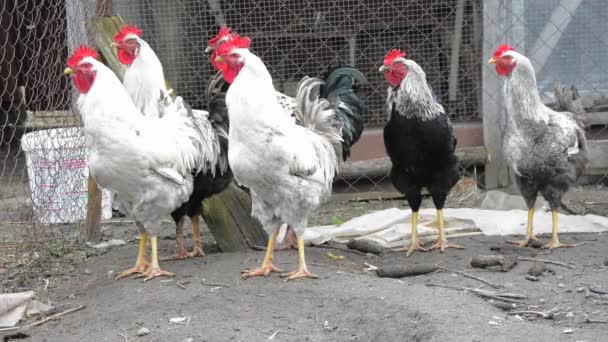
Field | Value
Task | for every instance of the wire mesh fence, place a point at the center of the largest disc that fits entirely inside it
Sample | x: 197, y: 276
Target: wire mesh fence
x: 43, y: 171
x: 44, y: 181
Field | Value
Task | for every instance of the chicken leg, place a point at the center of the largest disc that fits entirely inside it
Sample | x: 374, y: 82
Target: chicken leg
x: 415, y: 243
x: 179, y: 237
x: 141, y: 264
x: 197, y: 250
x: 442, y: 243
x: 302, y: 271
x: 554, y: 243
x: 154, y: 270
x: 267, y: 266
x: 530, y: 234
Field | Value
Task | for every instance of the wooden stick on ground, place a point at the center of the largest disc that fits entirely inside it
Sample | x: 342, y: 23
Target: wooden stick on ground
x: 503, y: 296
x: 546, y: 262
x: 464, y: 274
x: 46, y: 319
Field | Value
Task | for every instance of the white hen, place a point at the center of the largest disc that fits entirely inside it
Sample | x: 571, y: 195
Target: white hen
x: 146, y: 161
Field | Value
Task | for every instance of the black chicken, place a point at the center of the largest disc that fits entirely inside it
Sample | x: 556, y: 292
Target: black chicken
x: 419, y: 140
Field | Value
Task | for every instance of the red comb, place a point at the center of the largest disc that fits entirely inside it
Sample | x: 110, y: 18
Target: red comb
x: 392, y: 55
x: 80, y: 53
x: 224, y: 32
x: 126, y: 30
x: 234, y: 42
x: 502, y: 49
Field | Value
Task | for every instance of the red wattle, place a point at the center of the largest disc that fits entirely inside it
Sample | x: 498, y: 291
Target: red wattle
x: 83, y: 82
x: 395, y: 75
x: 504, y: 69
x: 125, y: 57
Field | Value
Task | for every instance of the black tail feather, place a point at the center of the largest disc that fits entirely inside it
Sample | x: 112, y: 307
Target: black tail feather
x: 343, y: 89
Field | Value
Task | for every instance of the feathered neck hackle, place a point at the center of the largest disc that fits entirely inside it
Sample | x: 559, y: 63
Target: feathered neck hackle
x: 414, y: 97
x: 522, y: 98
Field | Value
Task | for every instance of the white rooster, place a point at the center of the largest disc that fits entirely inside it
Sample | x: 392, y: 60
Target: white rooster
x: 145, y: 83
x: 145, y: 161
x: 288, y: 168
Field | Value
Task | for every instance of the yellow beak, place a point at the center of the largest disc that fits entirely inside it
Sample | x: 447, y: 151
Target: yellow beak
x: 219, y: 59
x: 115, y: 45
x: 68, y: 71
x: 492, y: 61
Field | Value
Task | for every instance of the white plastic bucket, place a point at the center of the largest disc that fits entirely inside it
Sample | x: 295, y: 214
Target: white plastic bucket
x: 58, y: 175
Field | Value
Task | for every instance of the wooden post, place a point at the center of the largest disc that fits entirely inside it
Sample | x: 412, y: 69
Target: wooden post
x: 226, y: 214
x: 495, y: 26
x: 92, y: 225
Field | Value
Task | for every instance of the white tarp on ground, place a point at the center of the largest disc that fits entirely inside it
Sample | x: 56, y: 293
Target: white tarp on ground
x: 14, y: 306
x: 391, y: 227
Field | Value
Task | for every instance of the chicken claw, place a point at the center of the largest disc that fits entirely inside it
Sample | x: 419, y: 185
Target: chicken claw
x: 442, y: 245
x: 301, y: 273
x: 197, y: 251
x: 556, y: 244
x: 416, y: 245
x: 153, y: 272
x: 137, y: 269
x: 524, y: 242
x: 265, y: 271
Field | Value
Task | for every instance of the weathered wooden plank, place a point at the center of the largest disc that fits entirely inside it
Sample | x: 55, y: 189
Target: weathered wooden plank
x: 228, y: 218
x: 598, y: 157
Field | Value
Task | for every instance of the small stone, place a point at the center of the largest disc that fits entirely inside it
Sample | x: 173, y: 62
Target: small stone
x: 110, y: 274
x: 139, y: 323
x: 143, y: 331
x: 580, y: 289
x: 561, y: 285
x: 236, y: 329
x: 189, y: 339
x: 542, y: 300
x: 570, y: 314
x: 72, y: 296
x: 531, y: 277
x: 87, y: 271
x: 568, y: 331
x: 559, y: 277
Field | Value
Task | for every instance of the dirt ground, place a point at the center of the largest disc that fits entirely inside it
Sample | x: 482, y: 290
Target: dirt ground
x: 346, y: 304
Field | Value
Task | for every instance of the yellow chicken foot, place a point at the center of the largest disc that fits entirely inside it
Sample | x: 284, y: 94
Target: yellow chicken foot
x: 154, y: 270
x: 291, y: 240
x: 530, y: 234
x: 302, y: 271
x: 181, y: 249
x: 442, y: 243
x: 554, y: 243
x: 267, y: 266
x: 197, y: 250
x: 141, y: 264
x: 415, y: 243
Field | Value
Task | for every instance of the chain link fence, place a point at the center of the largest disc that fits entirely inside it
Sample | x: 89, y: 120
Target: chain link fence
x: 42, y: 182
